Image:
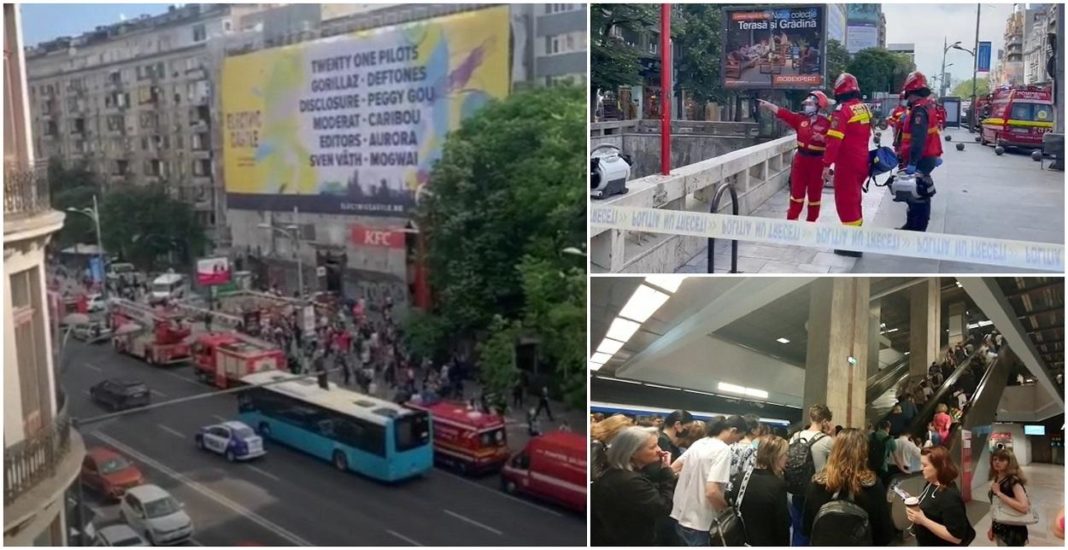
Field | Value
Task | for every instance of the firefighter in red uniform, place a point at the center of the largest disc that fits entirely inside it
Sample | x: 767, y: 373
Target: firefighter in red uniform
x: 941, y: 111
x: 847, y: 150
x: 895, y: 117
x: 806, y: 172
x: 921, y: 147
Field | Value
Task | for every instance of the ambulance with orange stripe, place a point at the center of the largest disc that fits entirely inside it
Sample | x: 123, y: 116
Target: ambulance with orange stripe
x: 466, y: 439
x: 1018, y: 117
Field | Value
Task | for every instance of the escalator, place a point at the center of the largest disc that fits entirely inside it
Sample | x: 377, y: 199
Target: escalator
x: 884, y: 386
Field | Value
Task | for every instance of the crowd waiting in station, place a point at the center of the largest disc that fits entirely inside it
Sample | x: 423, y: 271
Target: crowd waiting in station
x: 736, y: 481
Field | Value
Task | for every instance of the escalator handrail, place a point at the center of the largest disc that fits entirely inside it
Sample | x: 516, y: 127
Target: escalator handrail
x: 919, y: 424
x: 882, y: 375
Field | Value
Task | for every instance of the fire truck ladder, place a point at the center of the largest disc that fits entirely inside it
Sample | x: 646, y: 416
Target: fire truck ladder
x: 145, y: 315
x: 191, y: 312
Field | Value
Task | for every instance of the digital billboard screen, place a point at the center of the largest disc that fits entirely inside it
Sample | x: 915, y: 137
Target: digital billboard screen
x: 780, y: 48
x: 353, y: 124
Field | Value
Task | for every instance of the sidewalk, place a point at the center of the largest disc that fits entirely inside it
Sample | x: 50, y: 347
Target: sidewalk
x: 974, y: 198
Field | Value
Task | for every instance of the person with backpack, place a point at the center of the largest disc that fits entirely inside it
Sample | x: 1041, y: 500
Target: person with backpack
x: 704, y: 471
x: 941, y: 422
x: 940, y: 519
x: 846, y: 502
x: 1007, y: 486
x: 880, y: 445
x: 807, y: 455
x: 763, y: 501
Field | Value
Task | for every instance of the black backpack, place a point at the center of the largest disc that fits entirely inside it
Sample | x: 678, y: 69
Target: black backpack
x: 877, y: 453
x: 841, y: 523
x: 799, y: 465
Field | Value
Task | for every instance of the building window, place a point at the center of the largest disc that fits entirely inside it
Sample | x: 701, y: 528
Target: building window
x: 27, y: 302
x: 559, y: 8
x: 200, y: 33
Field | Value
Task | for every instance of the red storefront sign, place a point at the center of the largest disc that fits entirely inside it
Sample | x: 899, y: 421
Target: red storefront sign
x: 370, y: 236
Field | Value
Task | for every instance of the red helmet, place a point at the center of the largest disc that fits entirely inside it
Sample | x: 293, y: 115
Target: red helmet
x: 846, y: 83
x: 914, y: 81
x: 821, y: 98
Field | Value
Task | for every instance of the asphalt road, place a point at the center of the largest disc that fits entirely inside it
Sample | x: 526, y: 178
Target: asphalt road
x: 287, y: 497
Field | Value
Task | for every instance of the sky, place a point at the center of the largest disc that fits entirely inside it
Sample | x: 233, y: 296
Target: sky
x: 926, y: 24
x: 43, y: 22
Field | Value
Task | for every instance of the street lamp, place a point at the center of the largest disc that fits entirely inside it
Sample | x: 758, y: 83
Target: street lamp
x: 94, y: 214
x: 941, y: 76
x: 291, y: 232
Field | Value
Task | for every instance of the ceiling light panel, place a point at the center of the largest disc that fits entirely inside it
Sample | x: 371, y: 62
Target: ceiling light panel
x: 643, y: 304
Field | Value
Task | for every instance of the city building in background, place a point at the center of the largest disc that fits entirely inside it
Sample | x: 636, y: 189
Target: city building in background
x: 1039, y: 23
x: 1010, y: 66
x: 42, y: 452
x: 836, y: 22
x: 865, y: 27
x: 142, y: 102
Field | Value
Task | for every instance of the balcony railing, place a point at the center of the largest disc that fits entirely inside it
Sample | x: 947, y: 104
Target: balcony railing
x: 32, y: 460
x: 25, y: 191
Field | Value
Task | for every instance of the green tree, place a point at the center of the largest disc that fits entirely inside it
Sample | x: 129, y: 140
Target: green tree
x: 73, y: 187
x: 878, y: 70
x: 964, y: 89
x: 144, y: 224
x: 837, y: 60
x: 556, y: 311
x: 497, y: 368
x: 613, y: 62
x: 698, y: 34
x: 510, y: 183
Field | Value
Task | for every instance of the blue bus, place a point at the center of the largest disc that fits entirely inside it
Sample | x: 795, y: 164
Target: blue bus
x: 353, y: 431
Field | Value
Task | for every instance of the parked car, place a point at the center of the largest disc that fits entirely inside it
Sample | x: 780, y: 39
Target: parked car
x: 96, y: 303
x: 118, y: 535
x: 156, y: 515
x: 109, y: 473
x: 233, y: 439
x: 95, y: 332
x: 118, y: 394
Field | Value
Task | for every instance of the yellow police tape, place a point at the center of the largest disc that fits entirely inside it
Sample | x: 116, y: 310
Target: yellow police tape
x: 875, y: 240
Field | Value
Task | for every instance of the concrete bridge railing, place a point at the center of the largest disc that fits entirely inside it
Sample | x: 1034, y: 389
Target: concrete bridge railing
x: 757, y: 173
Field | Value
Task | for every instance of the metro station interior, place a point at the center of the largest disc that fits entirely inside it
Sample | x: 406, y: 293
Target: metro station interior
x: 774, y: 346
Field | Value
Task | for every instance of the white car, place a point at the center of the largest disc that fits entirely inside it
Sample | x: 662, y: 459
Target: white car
x: 96, y: 303
x: 118, y: 535
x: 233, y: 439
x: 155, y: 514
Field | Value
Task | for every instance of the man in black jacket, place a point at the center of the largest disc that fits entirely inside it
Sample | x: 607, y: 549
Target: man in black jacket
x: 674, y: 427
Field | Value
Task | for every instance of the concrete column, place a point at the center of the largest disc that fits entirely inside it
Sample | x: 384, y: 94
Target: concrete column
x: 838, y: 329
x: 874, y: 332
x: 925, y: 311
x: 958, y: 323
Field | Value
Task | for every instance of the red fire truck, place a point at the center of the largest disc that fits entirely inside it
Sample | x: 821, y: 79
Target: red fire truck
x: 1018, y: 117
x: 153, y: 335
x: 466, y: 439
x: 222, y: 358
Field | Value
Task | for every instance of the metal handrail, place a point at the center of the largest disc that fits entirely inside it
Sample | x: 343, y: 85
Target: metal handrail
x: 712, y: 242
x: 35, y: 459
x: 25, y: 191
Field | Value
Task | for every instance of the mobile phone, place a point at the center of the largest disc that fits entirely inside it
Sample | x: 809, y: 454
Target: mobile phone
x: 901, y: 492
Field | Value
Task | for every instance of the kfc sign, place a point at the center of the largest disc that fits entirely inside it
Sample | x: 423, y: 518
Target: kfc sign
x: 370, y: 236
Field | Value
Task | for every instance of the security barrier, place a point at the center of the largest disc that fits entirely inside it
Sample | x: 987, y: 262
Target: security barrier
x: 958, y: 248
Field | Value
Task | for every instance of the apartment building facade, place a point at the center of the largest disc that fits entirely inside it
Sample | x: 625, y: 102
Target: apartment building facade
x: 43, y: 453
x: 133, y: 101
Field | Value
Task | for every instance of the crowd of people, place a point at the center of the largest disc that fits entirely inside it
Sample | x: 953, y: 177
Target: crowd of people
x: 736, y: 481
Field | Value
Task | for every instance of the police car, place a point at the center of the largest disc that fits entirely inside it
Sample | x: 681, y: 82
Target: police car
x: 234, y: 440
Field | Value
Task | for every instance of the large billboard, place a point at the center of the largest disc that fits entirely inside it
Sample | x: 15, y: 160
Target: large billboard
x: 863, y: 14
x: 353, y: 124
x: 861, y: 38
x: 779, y: 48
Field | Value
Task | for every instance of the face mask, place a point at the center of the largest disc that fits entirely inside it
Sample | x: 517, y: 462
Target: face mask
x: 810, y: 109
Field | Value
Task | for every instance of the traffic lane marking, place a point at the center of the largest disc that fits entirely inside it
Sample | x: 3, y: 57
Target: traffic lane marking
x: 171, y: 431
x: 263, y: 472
x: 93, y: 367
x: 499, y: 493
x: 219, y: 418
x: 159, y: 393
x: 464, y: 518
x: 212, y: 495
x: 402, y: 537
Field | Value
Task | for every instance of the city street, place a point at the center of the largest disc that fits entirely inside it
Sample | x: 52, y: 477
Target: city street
x: 286, y: 497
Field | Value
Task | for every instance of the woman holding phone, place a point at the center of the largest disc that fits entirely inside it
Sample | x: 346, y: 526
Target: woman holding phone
x: 634, y: 495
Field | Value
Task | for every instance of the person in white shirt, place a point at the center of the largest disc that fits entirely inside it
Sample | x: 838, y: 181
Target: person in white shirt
x: 906, y: 455
x: 704, y: 472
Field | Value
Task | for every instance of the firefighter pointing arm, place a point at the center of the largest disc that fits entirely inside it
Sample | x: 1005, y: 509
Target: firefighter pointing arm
x: 811, y: 126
